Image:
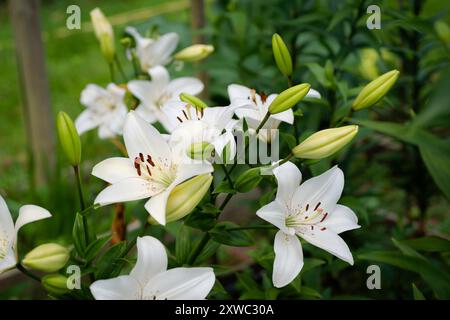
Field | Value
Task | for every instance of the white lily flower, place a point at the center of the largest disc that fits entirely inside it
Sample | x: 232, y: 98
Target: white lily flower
x: 311, y: 212
x: 254, y: 107
x: 105, y: 108
x: 152, y: 170
x: 150, y: 279
x: 212, y: 125
x: 8, y: 231
x: 156, y: 93
x: 154, y: 52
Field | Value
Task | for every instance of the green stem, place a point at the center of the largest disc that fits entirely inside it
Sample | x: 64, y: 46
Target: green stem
x: 253, y: 228
x: 198, y: 249
x: 227, y: 175
x: 111, y: 71
x: 285, y: 159
x: 119, y: 67
x: 82, y: 203
x: 22, y: 269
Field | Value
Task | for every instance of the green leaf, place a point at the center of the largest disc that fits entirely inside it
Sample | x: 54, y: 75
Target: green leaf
x: 183, y: 245
x: 289, y: 139
x: 228, y: 234
x: 438, y: 280
x: 248, y: 180
x: 94, y: 247
x: 110, y: 264
x: 78, y: 235
x: 417, y: 294
x: 310, y: 293
x: 407, y: 250
x: 224, y: 187
x: 204, y: 218
x: 209, y: 250
x: 429, y: 244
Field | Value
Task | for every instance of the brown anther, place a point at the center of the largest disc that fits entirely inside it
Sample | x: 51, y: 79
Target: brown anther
x: 185, y: 115
x: 150, y: 161
x: 179, y: 119
x: 263, y: 97
x: 324, y: 216
x: 323, y: 229
x: 137, y: 165
x: 317, y: 206
x: 307, y: 206
x: 141, y: 156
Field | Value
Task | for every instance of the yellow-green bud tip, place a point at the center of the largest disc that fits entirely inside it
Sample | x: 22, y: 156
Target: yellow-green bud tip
x: 55, y: 284
x: 325, y: 142
x: 68, y: 138
x: 281, y: 55
x: 375, y: 90
x: 49, y: 257
x: 194, y: 53
x: 289, y: 98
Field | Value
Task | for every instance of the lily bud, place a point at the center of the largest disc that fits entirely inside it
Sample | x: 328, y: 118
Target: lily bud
x: 104, y: 33
x: 193, y: 100
x: 281, y: 55
x: 194, y: 53
x: 69, y: 138
x: 289, y: 98
x: 375, y: 90
x: 200, y: 150
x: 442, y: 30
x: 186, y: 196
x: 49, y: 257
x: 55, y: 284
x: 325, y: 142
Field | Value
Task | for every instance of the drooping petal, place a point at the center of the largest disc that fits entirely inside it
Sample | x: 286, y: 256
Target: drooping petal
x: 341, y: 219
x: 288, y: 259
x: 313, y: 94
x: 129, y: 189
x: 288, y: 178
x: 30, y: 213
x: 120, y: 288
x: 156, y: 205
x: 163, y: 48
x: 285, y: 116
x: 325, y: 189
x: 275, y: 213
x: 192, y: 169
x: 115, y: 169
x: 86, y: 121
x: 151, y: 259
x: 329, y: 241
x: 181, y: 284
x: 142, y: 137
x: 188, y: 85
x: 248, y: 113
x: 237, y: 91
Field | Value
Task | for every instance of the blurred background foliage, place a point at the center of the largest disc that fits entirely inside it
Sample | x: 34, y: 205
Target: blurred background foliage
x: 397, y: 171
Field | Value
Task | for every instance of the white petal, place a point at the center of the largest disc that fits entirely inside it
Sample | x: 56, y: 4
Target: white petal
x: 341, y: 219
x: 9, y: 261
x: 30, y: 213
x: 236, y: 91
x: 325, y: 188
x: 105, y: 133
x: 164, y: 46
x: 156, y: 206
x: 151, y: 259
x: 147, y: 112
x: 248, y: 113
x: 7, y: 231
x: 275, y: 213
x: 313, y: 94
x: 160, y: 78
x: 225, y: 140
x: 142, y: 137
x: 192, y: 169
x: 181, y: 284
x: 129, y: 189
x: 90, y: 94
x: 115, y: 169
x: 285, y: 116
x: 188, y: 85
x: 86, y: 121
x: 146, y: 91
x: 328, y: 240
x: 288, y: 178
x: 120, y: 288
x: 288, y: 259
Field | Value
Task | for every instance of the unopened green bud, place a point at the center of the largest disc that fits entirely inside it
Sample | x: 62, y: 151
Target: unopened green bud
x: 193, y: 100
x: 281, y: 55
x: 443, y: 31
x: 200, y: 150
x: 194, y: 53
x: 375, y: 90
x: 104, y: 33
x: 248, y: 180
x: 55, y: 284
x: 69, y: 138
x: 49, y: 257
x: 325, y: 142
x: 186, y: 196
x: 289, y: 98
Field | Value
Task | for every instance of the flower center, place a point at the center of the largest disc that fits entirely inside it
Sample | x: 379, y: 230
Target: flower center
x: 158, y: 170
x: 305, y: 216
x: 188, y: 113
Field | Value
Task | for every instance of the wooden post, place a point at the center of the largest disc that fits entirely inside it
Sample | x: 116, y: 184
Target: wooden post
x: 197, y: 23
x: 34, y: 85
